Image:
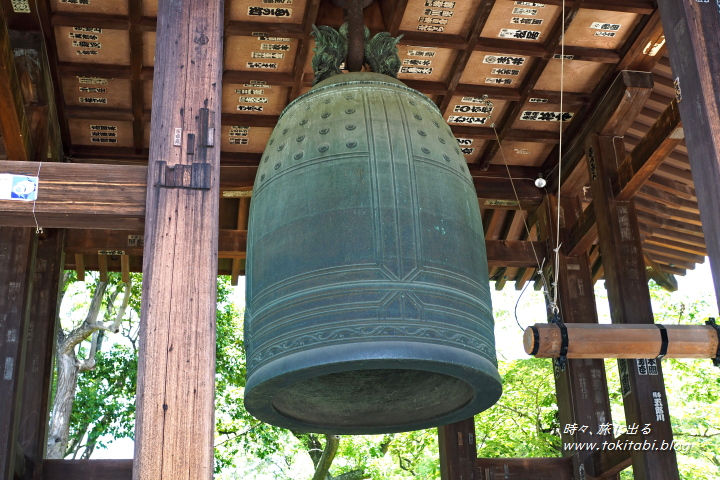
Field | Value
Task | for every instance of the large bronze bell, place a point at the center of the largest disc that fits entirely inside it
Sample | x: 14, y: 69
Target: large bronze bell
x: 368, y: 304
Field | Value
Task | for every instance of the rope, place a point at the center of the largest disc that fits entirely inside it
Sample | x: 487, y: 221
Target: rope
x: 556, y: 271
x: 525, y: 223
x: 38, y: 229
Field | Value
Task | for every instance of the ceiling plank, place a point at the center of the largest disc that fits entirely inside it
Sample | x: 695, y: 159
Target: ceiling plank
x: 662, y: 138
x: 536, y: 70
x: 477, y: 24
x: 304, y: 51
x: 625, y: 97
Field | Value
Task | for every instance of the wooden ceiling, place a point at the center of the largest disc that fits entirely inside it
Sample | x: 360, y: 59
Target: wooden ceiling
x: 101, y: 55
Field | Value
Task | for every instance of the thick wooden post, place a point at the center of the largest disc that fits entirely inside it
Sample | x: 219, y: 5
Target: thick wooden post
x: 40, y: 348
x: 582, y: 393
x: 17, y: 256
x: 458, y: 451
x: 174, y: 426
x: 691, y: 32
x: 643, y: 391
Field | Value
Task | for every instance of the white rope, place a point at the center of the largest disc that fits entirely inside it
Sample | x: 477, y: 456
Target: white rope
x: 556, y: 271
x: 517, y: 197
x: 38, y: 229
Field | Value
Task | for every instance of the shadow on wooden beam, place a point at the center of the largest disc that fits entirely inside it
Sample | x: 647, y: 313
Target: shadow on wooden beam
x: 559, y: 468
x: 87, y: 469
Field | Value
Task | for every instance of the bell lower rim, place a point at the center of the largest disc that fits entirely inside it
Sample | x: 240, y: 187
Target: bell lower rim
x: 274, y: 391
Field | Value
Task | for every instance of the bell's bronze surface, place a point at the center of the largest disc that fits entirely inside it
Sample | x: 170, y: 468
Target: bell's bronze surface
x: 368, y: 304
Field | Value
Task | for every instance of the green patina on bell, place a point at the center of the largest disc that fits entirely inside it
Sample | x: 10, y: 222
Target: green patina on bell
x: 368, y: 303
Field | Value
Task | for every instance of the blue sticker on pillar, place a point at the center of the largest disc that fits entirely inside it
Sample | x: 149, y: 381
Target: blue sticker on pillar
x: 18, y: 187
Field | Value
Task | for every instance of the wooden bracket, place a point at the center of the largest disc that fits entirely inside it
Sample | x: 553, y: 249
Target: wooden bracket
x: 195, y: 176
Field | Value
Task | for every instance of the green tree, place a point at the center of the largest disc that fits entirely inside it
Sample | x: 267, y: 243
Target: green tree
x: 523, y: 423
x: 78, y: 422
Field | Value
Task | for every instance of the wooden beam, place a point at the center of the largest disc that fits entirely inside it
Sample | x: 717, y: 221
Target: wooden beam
x: 644, y: 35
x: 102, y: 267
x: 73, y: 195
x: 691, y: 30
x: 660, y: 276
x: 514, y: 253
x: 238, y: 264
x: 458, y: 451
x: 113, y: 196
x: 662, y: 138
x: 477, y: 23
x: 529, y: 232
x: 80, y: 266
x: 232, y: 244
x: 40, y: 349
x: 621, y: 341
x: 581, y: 387
x: 644, y: 7
x: 515, y: 135
x: 17, y: 261
x: 559, y: 468
x: 392, y: 12
x: 176, y: 364
x: 536, y: 70
x: 644, y: 395
x: 104, y: 196
x: 582, y: 234
x: 635, y: 169
x: 304, y: 51
x: 137, y: 85
x: 608, y: 463
x: 669, y: 199
x: 617, y: 111
x: 14, y: 125
x: 87, y: 469
x: 647, y: 49
x: 498, y: 193
x: 124, y: 268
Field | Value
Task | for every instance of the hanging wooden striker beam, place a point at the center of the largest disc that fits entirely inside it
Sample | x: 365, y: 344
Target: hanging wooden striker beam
x: 622, y: 341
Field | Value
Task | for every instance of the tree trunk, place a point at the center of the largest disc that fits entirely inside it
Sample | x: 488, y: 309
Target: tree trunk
x: 322, y: 469
x: 67, y: 368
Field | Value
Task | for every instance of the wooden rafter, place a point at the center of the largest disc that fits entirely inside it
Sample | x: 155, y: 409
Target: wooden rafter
x: 137, y: 83
x: 536, y: 70
x: 14, y: 124
x: 577, y: 132
x: 477, y: 24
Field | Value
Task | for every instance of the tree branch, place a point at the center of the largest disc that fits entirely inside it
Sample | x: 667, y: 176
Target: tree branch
x: 332, y: 442
x: 115, y: 327
x: 89, y: 325
x: 357, y: 474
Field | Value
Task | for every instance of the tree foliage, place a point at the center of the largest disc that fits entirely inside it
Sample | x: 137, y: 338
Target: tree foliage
x: 522, y: 424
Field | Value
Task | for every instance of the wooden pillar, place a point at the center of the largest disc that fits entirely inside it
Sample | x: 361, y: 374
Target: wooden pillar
x: 175, y: 424
x: 40, y: 349
x: 582, y: 393
x: 17, y: 256
x: 458, y: 451
x: 643, y: 393
x: 691, y: 32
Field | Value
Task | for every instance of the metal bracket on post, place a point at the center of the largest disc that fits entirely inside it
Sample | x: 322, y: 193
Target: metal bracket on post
x: 663, y: 341
x: 195, y: 176
x: 561, y: 361
x: 712, y: 323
